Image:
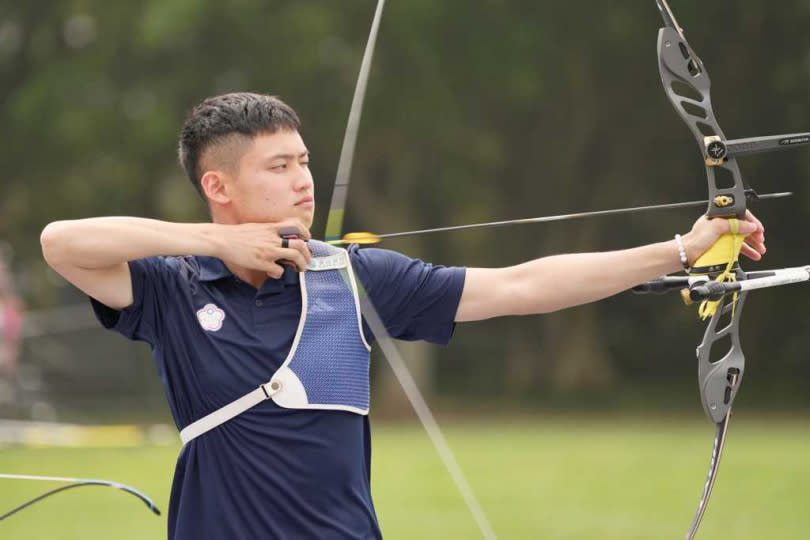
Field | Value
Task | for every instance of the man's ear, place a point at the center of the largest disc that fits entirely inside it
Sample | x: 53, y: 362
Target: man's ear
x: 215, y: 187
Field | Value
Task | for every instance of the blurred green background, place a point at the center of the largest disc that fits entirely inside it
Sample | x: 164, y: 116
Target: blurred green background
x: 476, y: 110
x: 560, y: 477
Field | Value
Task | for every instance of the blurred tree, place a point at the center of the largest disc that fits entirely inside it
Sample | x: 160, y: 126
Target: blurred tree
x: 476, y: 111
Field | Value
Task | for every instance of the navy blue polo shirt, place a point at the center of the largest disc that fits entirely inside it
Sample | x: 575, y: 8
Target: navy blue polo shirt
x: 270, y: 473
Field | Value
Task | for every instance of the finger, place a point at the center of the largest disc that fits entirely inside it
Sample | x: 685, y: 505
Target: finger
x: 743, y: 227
x: 723, y: 225
x: 302, y: 247
x: 294, y: 257
x: 750, y: 252
x: 756, y: 244
x: 757, y: 237
x: 749, y: 216
x: 274, y: 270
x: 298, y: 245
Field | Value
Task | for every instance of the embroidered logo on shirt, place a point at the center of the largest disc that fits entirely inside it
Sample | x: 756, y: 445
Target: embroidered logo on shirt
x: 211, y: 317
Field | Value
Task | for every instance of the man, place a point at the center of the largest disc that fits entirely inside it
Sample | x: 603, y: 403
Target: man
x: 229, y: 304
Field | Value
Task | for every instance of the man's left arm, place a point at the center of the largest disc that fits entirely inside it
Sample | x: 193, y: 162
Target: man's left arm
x: 562, y: 281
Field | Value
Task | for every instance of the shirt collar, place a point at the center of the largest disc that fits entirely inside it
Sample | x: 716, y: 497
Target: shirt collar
x: 212, y: 269
x: 289, y: 277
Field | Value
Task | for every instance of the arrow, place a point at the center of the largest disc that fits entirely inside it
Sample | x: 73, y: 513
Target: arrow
x: 372, y: 238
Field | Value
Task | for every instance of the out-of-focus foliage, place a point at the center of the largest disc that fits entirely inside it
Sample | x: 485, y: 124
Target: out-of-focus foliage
x: 477, y: 110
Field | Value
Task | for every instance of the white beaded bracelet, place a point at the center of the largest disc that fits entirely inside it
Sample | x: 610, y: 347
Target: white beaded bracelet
x: 682, y: 252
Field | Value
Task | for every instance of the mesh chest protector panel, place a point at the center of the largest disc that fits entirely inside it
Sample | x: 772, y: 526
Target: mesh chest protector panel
x: 328, y: 364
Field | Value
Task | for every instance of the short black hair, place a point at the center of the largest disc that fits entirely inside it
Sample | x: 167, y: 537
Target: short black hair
x: 220, y: 119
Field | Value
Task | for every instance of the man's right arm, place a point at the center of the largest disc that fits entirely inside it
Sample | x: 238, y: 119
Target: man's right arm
x: 93, y: 253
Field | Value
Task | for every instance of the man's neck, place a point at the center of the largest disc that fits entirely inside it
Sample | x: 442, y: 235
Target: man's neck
x: 254, y: 277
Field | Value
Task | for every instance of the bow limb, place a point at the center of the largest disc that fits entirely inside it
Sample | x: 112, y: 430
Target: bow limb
x: 72, y: 483
x: 720, y: 379
x: 334, y: 222
x: 717, y: 452
x: 334, y: 227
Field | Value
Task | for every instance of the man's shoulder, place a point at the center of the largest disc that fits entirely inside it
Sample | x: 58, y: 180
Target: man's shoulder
x: 376, y: 256
x: 183, y: 265
x: 391, y: 267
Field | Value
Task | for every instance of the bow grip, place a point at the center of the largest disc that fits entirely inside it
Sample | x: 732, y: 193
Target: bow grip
x: 724, y: 254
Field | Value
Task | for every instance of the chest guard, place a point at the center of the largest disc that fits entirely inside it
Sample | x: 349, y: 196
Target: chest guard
x: 328, y: 364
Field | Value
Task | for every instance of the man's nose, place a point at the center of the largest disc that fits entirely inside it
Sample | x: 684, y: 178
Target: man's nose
x: 303, y: 178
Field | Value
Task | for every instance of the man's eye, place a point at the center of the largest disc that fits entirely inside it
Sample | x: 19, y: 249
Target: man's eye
x: 305, y: 163
x: 280, y: 167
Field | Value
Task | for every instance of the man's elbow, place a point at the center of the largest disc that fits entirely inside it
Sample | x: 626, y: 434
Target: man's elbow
x: 53, y: 241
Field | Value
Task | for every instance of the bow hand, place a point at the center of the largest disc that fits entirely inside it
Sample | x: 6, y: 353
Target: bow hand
x: 708, y: 235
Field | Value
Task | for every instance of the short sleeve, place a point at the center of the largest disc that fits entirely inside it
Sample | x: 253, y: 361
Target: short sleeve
x: 415, y: 299
x: 153, y: 279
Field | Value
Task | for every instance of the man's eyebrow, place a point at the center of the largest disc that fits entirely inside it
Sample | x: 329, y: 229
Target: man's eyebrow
x: 288, y: 156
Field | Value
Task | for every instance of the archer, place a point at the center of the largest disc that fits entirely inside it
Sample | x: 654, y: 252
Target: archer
x: 232, y: 304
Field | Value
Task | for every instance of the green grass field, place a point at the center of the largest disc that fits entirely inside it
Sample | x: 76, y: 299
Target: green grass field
x: 549, y: 478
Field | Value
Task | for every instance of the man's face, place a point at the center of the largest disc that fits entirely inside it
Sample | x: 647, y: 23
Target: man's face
x: 274, y: 181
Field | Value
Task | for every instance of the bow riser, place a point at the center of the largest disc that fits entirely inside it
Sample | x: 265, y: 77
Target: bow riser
x: 688, y: 87
x: 685, y: 78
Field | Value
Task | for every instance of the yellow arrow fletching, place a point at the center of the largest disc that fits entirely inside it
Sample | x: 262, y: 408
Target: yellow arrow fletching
x: 358, y: 238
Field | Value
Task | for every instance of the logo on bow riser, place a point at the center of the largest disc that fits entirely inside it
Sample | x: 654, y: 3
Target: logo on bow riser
x: 794, y: 140
x: 211, y: 317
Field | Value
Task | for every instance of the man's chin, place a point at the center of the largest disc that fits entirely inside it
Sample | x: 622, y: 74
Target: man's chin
x: 306, y: 215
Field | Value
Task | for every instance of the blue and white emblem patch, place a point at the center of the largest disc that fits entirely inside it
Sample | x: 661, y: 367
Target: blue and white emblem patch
x: 211, y: 317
